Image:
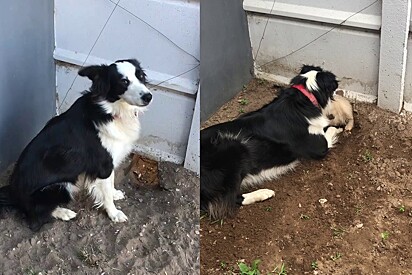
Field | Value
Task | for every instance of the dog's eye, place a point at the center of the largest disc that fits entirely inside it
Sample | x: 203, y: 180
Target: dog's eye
x: 125, y: 81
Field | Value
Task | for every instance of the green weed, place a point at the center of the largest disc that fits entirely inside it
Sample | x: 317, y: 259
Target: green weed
x: 385, y: 235
x: 249, y: 270
x: 314, y: 265
x: 280, y: 270
x: 336, y: 256
x: 243, y: 101
x: 338, y: 232
x: 367, y: 156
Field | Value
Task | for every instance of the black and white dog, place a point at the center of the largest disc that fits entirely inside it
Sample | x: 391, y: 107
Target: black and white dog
x: 266, y: 143
x: 85, y: 143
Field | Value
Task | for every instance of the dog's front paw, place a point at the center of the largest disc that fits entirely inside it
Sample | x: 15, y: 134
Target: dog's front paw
x: 117, y: 216
x: 64, y: 214
x: 331, y: 136
x: 118, y: 195
x: 258, y: 195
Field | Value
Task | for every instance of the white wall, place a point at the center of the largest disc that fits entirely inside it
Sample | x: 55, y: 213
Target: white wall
x: 408, y: 78
x: 351, y: 51
x: 167, y: 123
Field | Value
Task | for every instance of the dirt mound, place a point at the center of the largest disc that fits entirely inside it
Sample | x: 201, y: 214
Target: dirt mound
x: 160, y: 237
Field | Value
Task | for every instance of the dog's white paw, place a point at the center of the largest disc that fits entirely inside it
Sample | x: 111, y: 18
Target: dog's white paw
x: 117, y: 216
x: 331, y: 136
x: 258, y: 195
x: 64, y: 214
x: 118, y: 195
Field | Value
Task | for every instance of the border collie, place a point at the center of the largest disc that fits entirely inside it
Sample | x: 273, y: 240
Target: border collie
x: 84, y: 144
x: 264, y: 144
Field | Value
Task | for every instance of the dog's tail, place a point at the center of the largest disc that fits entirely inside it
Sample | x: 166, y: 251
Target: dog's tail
x: 220, y: 208
x: 5, y: 198
x: 221, y: 172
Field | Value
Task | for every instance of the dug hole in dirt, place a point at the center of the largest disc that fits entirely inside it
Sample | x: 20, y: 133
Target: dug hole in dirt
x: 160, y: 237
x: 350, y: 213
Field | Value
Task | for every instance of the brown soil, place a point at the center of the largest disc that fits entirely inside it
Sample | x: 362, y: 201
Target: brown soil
x: 144, y: 171
x: 160, y: 237
x: 365, y: 227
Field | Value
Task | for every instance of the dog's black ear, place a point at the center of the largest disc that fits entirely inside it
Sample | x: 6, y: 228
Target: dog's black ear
x: 327, y: 81
x: 298, y: 80
x: 92, y: 71
x: 99, y: 76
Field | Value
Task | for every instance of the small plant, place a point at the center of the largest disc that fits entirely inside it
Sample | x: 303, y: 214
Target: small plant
x: 88, y: 256
x: 226, y: 268
x: 223, y: 264
x: 268, y: 209
x: 336, y: 256
x: 367, y: 156
x: 241, y: 111
x: 304, y: 217
x: 30, y: 271
x: 314, y: 265
x: 385, y: 235
x: 221, y: 222
x: 243, y: 101
x: 338, y: 232
x: 280, y: 270
x: 358, y: 209
x: 261, y: 81
x: 402, y: 208
x: 249, y: 270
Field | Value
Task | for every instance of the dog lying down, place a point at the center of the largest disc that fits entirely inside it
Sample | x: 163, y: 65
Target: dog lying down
x: 264, y: 144
x: 82, y: 145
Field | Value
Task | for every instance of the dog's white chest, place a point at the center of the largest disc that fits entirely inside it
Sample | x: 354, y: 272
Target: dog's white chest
x: 119, y: 136
x: 317, y: 124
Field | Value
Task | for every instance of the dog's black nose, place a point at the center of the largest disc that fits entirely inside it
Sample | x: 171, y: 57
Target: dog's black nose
x: 147, y: 97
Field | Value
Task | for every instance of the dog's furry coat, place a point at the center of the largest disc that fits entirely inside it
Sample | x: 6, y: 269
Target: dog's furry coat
x: 88, y: 142
x: 266, y: 143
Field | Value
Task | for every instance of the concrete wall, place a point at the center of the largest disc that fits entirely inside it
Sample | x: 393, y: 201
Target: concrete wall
x: 294, y: 23
x: 408, y: 77
x: 136, y: 29
x: 226, y: 60
x: 353, y: 50
x: 27, y: 74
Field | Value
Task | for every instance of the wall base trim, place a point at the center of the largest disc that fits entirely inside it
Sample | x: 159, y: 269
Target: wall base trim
x: 351, y: 95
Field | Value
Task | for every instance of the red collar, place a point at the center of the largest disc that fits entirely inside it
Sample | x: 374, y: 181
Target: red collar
x: 308, y: 94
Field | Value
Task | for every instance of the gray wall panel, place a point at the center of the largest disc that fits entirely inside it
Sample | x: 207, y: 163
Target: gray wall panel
x: 27, y: 74
x: 225, y: 54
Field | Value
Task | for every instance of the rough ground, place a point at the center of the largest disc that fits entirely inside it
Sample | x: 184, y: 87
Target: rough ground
x: 364, y: 227
x: 160, y: 237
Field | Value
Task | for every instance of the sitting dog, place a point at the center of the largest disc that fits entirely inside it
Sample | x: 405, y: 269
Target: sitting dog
x: 88, y: 142
x: 264, y: 144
